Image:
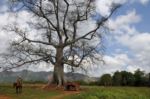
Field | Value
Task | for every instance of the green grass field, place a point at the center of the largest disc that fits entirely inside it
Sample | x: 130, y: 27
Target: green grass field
x: 113, y: 93
x: 28, y: 93
x: 87, y: 92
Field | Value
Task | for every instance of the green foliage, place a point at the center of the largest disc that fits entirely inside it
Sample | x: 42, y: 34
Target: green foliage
x: 124, y: 78
x: 117, y: 78
x: 93, y: 83
x: 139, y: 77
x: 106, y: 80
x: 127, y: 78
x: 148, y: 80
x: 81, y: 82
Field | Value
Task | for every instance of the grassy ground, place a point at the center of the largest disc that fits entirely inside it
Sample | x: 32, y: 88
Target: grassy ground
x: 113, y: 93
x: 29, y: 92
x: 92, y: 92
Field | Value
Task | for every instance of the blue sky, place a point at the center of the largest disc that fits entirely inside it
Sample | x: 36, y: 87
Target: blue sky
x: 142, y: 10
x: 142, y: 26
x: 127, y: 44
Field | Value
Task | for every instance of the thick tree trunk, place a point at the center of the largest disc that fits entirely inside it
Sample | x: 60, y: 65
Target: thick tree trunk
x: 58, y: 74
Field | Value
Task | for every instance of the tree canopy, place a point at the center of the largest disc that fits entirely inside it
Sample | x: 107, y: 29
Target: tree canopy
x: 58, y: 32
x: 125, y: 78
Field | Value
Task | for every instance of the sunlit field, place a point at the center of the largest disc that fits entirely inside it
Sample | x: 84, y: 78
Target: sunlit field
x: 86, y: 92
x: 113, y: 93
x: 29, y: 92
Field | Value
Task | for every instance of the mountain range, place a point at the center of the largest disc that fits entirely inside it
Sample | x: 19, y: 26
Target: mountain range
x: 31, y: 76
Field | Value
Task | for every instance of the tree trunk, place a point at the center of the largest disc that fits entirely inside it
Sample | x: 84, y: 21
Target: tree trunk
x: 58, y: 74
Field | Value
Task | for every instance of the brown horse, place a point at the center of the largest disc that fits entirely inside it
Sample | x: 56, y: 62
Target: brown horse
x: 18, y: 86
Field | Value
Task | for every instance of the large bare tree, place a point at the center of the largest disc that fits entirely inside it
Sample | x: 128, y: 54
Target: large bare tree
x: 64, y: 36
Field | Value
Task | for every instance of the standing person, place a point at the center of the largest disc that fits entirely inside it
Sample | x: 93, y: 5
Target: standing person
x: 19, y: 85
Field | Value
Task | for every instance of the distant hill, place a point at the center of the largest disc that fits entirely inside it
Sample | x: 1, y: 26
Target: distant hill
x: 9, y: 76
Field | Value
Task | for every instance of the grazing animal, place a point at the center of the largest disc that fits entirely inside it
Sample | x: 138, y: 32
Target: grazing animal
x: 18, y: 85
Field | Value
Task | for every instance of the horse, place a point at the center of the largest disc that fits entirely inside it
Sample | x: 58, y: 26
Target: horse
x: 18, y: 86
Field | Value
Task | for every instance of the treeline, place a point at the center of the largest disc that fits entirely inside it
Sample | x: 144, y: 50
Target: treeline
x: 124, y: 78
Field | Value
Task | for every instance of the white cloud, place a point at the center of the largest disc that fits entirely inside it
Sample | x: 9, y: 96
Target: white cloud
x: 122, y: 21
x: 133, y: 68
x: 128, y: 36
x: 137, y: 42
x: 112, y: 64
x: 116, y: 60
x: 103, y: 6
x: 7, y: 19
x: 144, y: 2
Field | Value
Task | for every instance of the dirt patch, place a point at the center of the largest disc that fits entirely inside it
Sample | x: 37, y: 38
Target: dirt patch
x: 61, y: 90
x: 4, y: 97
x: 53, y: 88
